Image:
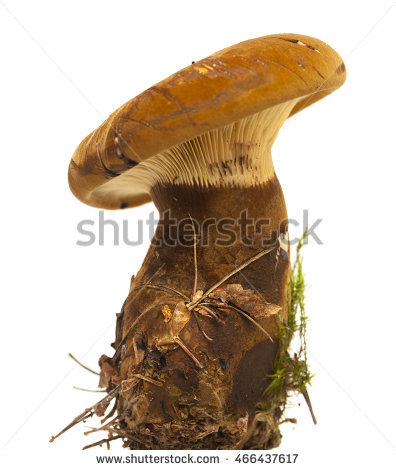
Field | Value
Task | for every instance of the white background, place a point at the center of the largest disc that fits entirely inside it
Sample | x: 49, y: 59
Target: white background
x: 65, y: 66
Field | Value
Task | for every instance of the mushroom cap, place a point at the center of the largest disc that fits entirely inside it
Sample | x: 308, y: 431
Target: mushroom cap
x: 225, y: 87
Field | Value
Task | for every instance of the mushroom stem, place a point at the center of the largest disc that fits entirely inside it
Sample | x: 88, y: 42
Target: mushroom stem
x: 231, y: 225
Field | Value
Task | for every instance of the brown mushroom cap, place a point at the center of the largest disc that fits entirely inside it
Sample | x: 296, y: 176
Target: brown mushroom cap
x: 230, y: 85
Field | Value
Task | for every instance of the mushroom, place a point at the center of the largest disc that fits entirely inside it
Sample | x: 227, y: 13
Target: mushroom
x: 206, y: 304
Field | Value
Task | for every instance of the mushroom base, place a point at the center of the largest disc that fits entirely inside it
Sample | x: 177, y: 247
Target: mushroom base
x: 181, y: 415
x: 185, y: 405
x: 221, y: 432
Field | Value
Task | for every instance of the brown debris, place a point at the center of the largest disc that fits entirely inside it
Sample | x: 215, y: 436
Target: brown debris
x: 148, y: 379
x: 127, y: 384
x: 167, y: 313
x: 180, y: 343
x: 245, y: 299
x: 82, y: 365
x: 138, y: 352
x: 107, y: 371
x: 100, y: 409
x: 102, y: 441
x: 181, y: 316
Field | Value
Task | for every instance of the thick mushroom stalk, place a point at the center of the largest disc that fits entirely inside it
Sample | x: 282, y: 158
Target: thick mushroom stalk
x: 198, y: 335
x: 231, y: 335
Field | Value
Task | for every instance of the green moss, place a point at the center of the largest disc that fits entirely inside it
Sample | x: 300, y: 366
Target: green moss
x: 291, y: 372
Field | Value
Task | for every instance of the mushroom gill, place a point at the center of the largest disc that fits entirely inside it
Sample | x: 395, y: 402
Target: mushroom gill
x: 238, y: 154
